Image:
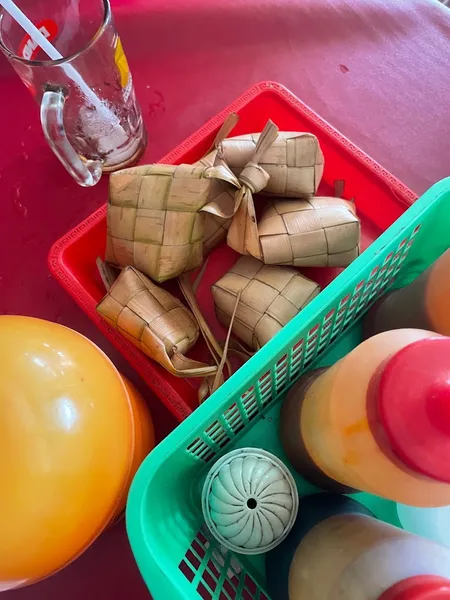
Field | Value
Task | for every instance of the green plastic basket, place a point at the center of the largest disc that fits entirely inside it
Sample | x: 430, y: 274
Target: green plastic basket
x: 175, y: 553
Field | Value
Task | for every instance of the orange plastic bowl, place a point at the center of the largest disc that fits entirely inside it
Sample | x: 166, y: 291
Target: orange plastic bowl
x: 67, y: 445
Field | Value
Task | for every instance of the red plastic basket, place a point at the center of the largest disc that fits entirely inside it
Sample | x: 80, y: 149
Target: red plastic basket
x: 380, y: 199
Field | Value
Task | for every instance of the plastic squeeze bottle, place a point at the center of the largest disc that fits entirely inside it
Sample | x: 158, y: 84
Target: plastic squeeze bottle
x: 378, y: 420
x: 336, y: 551
x: 424, y: 303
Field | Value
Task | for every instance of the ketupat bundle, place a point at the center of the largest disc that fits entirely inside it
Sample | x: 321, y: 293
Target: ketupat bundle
x: 294, y: 161
x: 217, y: 224
x: 318, y: 232
x: 269, y: 298
x: 223, y: 194
x: 154, y: 321
x: 282, y: 163
x: 164, y: 220
x: 302, y: 231
x: 155, y: 213
x: 243, y: 232
x: 155, y: 217
x: 253, y: 177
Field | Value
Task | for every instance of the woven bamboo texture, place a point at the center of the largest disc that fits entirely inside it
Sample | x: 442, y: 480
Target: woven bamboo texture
x: 154, y: 321
x: 155, y: 220
x: 318, y: 232
x: 294, y: 162
x: 269, y: 298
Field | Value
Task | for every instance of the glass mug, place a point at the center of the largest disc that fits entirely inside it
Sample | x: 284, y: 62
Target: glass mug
x: 89, y: 113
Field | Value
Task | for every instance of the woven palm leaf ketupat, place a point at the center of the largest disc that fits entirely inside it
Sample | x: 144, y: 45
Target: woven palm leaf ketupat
x: 318, y: 232
x: 155, y: 220
x: 269, y: 298
x: 312, y: 231
x: 222, y: 193
x: 215, y: 228
x: 294, y: 161
x: 154, y: 321
x: 243, y: 232
x: 217, y: 223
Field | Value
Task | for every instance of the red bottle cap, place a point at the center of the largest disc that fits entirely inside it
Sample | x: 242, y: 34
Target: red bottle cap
x: 422, y: 587
x: 414, y: 406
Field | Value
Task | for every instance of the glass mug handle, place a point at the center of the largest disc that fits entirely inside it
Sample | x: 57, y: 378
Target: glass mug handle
x: 85, y: 172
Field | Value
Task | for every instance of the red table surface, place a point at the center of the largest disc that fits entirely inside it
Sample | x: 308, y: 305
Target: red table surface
x: 376, y: 69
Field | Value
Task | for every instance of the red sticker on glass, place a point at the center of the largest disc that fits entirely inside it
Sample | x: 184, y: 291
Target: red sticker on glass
x: 28, y: 49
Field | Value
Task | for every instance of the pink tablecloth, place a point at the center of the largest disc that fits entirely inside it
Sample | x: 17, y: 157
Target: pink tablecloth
x: 376, y: 69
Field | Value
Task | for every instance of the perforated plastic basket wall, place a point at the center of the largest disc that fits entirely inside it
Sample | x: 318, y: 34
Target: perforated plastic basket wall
x: 176, y: 555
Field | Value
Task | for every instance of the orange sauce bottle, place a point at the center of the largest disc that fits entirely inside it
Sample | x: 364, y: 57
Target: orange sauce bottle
x: 424, y: 303
x: 378, y: 420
